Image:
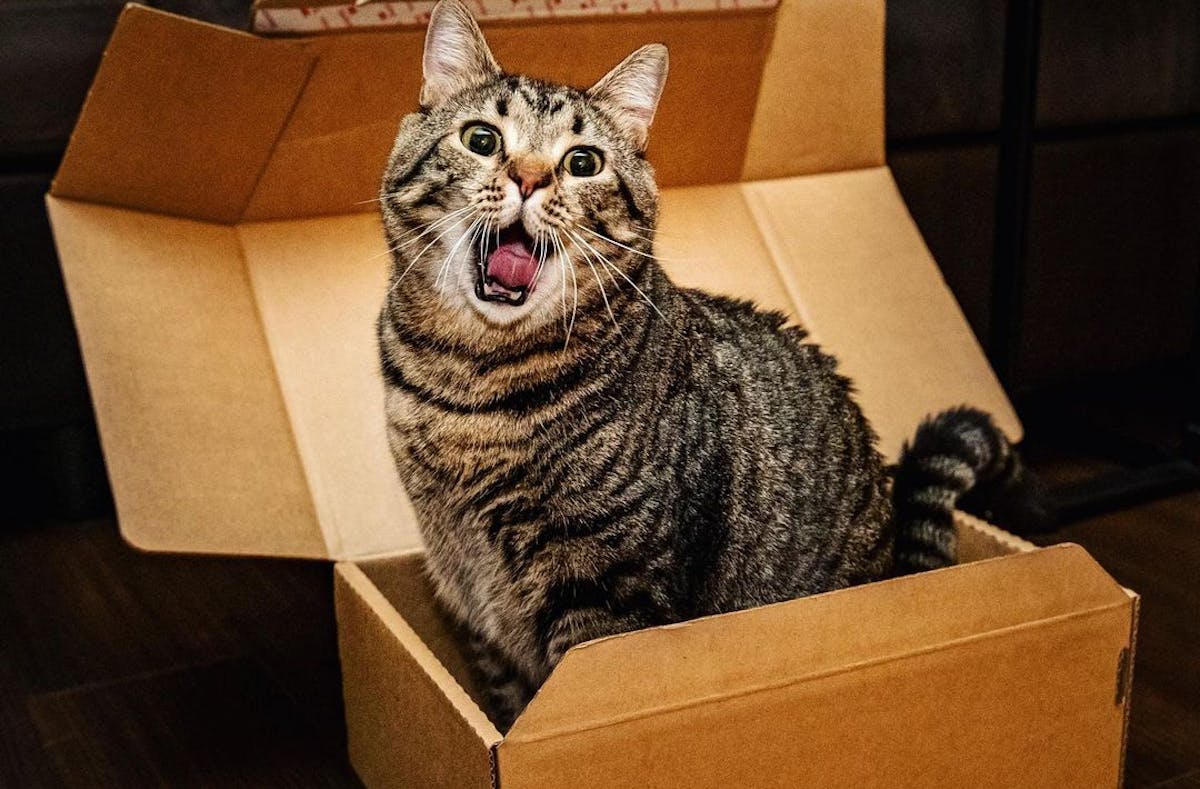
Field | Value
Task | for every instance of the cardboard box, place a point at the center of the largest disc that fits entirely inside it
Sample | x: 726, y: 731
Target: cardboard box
x: 224, y: 261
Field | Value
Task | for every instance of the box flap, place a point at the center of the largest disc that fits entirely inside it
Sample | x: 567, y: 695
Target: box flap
x: 331, y: 157
x: 820, y: 106
x: 318, y: 284
x: 440, y: 738
x: 236, y: 388
x: 840, y: 253
x: 733, y: 662
x: 196, y: 436
x: 190, y: 119
x: 181, y: 117
x: 1032, y: 707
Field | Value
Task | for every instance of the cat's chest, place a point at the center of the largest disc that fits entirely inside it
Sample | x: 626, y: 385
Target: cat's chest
x: 466, y: 477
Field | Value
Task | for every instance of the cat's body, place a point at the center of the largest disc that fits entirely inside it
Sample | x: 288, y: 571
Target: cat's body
x: 613, y: 495
x: 588, y: 460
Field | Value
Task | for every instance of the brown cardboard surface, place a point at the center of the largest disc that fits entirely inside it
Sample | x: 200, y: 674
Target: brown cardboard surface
x: 181, y: 117
x: 318, y: 284
x: 332, y: 154
x: 820, y: 106
x: 402, y: 582
x: 1031, y: 707
x: 408, y: 722
x: 193, y: 120
x: 198, y: 444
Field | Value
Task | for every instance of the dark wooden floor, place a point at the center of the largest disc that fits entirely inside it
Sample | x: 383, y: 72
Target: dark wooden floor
x: 125, y: 669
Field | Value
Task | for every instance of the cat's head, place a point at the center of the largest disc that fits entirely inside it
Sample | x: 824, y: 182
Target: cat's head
x: 509, y: 203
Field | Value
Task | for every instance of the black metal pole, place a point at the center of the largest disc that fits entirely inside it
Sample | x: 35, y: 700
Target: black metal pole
x: 1013, y: 181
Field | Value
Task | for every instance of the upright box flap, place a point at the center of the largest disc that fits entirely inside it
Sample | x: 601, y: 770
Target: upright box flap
x: 196, y: 436
x: 193, y: 120
x: 820, y: 106
x: 181, y: 117
x: 738, y: 653
x: 331, y: 157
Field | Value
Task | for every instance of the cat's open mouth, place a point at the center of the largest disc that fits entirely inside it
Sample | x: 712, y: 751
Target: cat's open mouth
x: 508, y: 269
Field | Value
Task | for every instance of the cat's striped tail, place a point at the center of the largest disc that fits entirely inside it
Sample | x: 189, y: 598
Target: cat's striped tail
x: 959, y: 459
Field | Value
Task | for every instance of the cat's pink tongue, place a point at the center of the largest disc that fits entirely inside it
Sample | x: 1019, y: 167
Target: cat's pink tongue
x: 512, y: 265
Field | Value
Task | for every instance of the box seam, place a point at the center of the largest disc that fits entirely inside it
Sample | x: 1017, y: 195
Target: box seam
x: 295, y: 443
x: 1135, y: 606
x: 283, y: 127
x: 844, y: 669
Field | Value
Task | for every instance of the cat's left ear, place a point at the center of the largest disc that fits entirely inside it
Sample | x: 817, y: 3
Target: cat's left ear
x: 456, y: 54
x: 630, y: 92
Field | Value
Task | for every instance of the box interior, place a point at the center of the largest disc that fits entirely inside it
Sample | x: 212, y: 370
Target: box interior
x: 402, y: 583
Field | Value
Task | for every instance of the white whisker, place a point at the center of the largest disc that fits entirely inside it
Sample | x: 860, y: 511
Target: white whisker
x: 562, y: 267
x: 603, y: 295
x: 610, y: 266
x: 413, y: 262
x: 425, y: 229
x: 445, y: 267
x: 614, y: 242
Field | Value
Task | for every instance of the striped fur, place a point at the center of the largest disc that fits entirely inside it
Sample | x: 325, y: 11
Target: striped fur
x: 951, y: 454
x: 616, y: 452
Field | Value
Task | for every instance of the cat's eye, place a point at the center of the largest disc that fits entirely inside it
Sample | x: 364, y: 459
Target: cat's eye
x: 583, y: 162
x: 481, y: 139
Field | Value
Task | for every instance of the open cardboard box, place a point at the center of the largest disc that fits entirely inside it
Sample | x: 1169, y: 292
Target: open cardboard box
x: 224, y: 262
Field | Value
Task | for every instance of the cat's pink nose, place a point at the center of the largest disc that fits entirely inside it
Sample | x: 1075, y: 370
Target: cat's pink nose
x: 529, y: 176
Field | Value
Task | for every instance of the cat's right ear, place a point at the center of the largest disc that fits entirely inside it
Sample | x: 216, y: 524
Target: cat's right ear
x: 456, y: 54
x: 630, y: 92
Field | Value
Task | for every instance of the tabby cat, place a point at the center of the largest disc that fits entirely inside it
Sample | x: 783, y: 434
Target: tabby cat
x: 590, y: 448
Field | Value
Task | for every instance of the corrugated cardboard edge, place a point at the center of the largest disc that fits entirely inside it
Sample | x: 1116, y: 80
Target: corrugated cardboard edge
x: 1009, y: 542
x: 1131, y: 662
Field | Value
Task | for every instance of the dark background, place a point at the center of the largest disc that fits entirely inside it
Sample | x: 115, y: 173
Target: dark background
x: 125, y: 669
